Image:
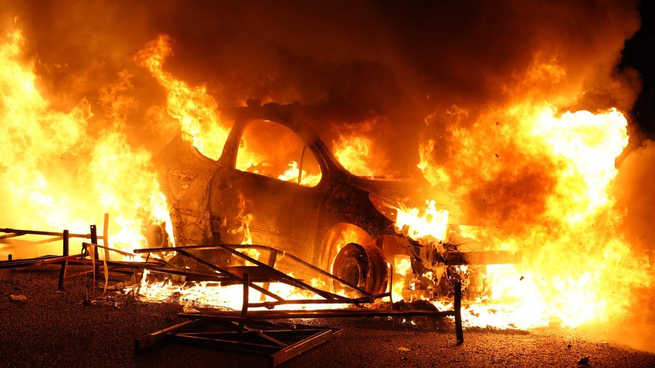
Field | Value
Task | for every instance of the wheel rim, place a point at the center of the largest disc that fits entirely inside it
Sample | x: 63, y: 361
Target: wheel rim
x: 362, y: 266
x: 156, y: 235
x: 352, y: 268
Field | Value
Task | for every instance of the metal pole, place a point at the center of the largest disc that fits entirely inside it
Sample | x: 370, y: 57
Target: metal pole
x: 458, y: 313
x: 244, y: 306
x: 272, y: 258
x: 94, y: 239
x: 64, y: 264
x: 391, y: 285
x: 246, y: 288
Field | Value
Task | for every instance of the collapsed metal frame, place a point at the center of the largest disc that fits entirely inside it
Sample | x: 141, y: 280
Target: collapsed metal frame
x: 277, y: 341
x: 266, y: 273
x: 65, y: 236
x: 260, y: 272
x: 91, y: 248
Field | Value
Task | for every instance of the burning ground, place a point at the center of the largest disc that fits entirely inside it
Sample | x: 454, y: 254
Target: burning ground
x: 518, y: 112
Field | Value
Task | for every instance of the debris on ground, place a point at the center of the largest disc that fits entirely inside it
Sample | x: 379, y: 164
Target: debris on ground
x: 18, y: 298
x: 188, y: 308
x: 414, y: 305
x: 116, y: 287
x: 584, y: 361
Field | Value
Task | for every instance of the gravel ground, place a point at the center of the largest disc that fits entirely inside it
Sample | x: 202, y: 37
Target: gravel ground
x: 57, y: 329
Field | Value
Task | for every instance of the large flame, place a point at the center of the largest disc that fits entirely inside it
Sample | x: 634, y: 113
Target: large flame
x: 420, y: 224
x: 357, y: 152
x: 192, y: 107
x: 577, y: 268
x: 567, y: 237
x: 59, y: 171
x: 538, y: 180
x: 354, y: 152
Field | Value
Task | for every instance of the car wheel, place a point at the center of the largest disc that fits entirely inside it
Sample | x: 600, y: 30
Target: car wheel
x: 363, y: 266
x: 156, y: 235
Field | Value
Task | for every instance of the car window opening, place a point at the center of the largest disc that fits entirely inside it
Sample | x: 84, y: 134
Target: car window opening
x: 273, y: 150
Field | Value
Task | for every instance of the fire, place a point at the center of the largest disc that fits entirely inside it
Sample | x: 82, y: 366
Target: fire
x: 422, y: 224
x: 588, y: 144
x: 354, y: 153
x: 208, y: 294
x: 539, y: 179
x: 292, y: 175
x: 357, y: 152
x: 402, y: 268
x: 577, y: 268
x: 59, y: 170
x: 192, y: 107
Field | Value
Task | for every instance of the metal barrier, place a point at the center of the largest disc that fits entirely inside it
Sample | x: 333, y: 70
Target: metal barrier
x: 241, y: 330
x: 65, y: 237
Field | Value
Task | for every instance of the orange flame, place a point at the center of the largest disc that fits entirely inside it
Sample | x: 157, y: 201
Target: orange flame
x: 430, y: 225
x: 354, y: 153
x: 292, y: 175
x: 193, y: 107
x: 577, y: 268
x: 61, y: 174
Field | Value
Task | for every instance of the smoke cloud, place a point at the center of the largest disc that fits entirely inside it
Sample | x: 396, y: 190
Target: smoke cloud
x: 402, y: 61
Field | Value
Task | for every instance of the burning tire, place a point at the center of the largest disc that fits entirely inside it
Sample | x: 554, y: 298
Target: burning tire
x: 363, y: 266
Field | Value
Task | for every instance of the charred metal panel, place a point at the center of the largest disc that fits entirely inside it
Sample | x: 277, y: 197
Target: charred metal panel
x: 279, y: 213
x: 184, y: 176
x: 347, y: 204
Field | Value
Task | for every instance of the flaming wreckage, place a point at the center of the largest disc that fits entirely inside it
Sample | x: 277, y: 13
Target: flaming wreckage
x: 323, y: 214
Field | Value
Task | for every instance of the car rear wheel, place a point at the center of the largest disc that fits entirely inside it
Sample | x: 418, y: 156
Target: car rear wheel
x: 156, y: 235
x: 363, y: 266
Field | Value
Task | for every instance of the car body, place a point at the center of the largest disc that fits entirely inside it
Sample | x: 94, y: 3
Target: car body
x: 211, y: 201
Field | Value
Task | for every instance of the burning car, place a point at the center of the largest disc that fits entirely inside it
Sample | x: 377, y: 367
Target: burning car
x: 276, y: 183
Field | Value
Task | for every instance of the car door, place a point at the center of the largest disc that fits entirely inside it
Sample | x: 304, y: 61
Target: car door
x: 259, y: 198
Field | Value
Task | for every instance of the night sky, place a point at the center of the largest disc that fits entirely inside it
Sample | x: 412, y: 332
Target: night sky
x: 639, y: 53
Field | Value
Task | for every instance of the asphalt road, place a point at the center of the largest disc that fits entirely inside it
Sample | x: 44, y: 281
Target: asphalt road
x: 57, y: 329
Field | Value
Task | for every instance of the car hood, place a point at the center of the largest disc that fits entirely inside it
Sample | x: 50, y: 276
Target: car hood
x: 412, y: 193
x: 407, y: 193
